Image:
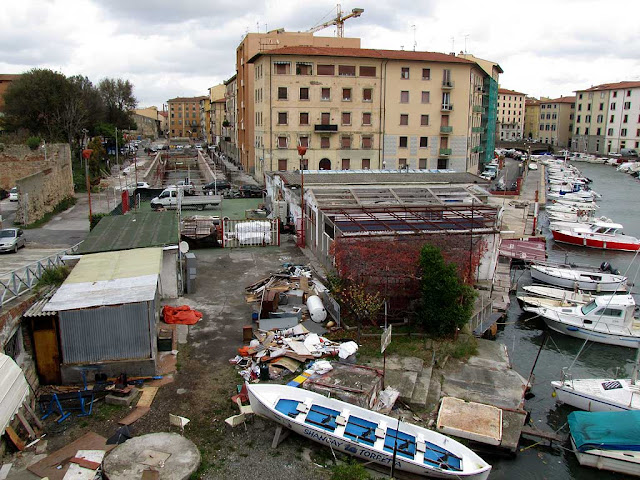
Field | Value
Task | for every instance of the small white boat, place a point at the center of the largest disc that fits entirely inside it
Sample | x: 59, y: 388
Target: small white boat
x: 533, y: 301
x: 533, y: 166
x: 592, y: 281
x: 603, y: 235
x: 577, y: 298
x: 580, y: 223
x: 575, y: 203
x: 580, y: 196
x: 606, y: 319
x: 607, y: 440
x: 580, y: 210
x: 365, y: 434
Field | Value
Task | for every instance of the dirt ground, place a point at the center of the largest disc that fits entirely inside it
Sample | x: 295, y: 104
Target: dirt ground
x: 205, y: 381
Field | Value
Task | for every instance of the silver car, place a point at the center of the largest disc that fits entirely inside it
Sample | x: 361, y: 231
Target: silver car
x: 11, y: 239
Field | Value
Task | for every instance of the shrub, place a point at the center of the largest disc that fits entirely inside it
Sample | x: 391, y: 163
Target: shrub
x: 349, y: 471
x: 33, y: 143
x: 53, y: 277
x: 95, y: 218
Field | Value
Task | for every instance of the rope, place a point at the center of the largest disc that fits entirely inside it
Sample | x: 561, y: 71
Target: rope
x: 545, y: 440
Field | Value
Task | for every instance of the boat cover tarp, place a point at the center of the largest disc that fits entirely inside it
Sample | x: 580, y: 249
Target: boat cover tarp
x: 605, y: 430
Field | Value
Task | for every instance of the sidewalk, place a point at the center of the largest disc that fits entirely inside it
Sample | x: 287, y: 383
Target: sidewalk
x: 234, y: 172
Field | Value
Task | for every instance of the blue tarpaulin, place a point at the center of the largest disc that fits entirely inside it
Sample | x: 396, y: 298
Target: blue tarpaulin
x: 605, y: 430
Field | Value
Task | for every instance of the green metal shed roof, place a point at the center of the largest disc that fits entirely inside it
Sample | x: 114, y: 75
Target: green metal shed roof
x: 134, y: 230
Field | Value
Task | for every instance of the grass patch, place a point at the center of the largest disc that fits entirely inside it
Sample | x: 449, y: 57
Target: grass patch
x: 462, y: 348
x: 107, y: 411
x: 61, y: 207
x: 52, y: 277
x: 351, y: 470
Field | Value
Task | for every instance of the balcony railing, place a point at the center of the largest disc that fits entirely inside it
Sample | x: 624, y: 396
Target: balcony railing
x: 447, y: 107
x: 478, y: 149
x: 445, y: 152
x: 478, y: 108
x: 477, y: 129
x: 446, y: 129
x: 322, y: 127
x: 447, y: 84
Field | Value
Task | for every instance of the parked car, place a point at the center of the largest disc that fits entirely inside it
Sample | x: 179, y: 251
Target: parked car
x: 142, y: 185
x: 187, y: 186
x: 220, y: 185
x: 13, y: 194
x: 11, y: 239
x: 251, y: 191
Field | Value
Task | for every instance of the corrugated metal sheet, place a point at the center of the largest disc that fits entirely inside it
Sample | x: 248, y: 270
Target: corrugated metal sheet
x: 116, y: 265
x: 107, y: 333
x: 13, y: 390
x: 36, y: 310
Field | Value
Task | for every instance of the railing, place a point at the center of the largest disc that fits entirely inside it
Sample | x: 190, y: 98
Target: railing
x: 21, y: 281
x: 445, y: 152
x: 477, y: 129
x: 447, y: 107
x: 326, y: 127
x: 446, y: 84
x: 444, y: 129
x: 478, y: 108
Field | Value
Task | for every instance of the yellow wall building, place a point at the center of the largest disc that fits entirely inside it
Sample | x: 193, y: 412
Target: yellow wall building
x: 556, y: 121
x: 184, y: 117
x: 511, y: 108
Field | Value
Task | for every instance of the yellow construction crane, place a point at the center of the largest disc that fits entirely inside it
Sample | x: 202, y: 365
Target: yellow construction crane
x: 338, y: 21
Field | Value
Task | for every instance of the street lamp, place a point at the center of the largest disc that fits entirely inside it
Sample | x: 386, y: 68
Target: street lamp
x: 301, y: 151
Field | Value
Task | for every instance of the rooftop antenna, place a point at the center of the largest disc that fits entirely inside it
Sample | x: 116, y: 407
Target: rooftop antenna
x: 453, y: 42
x: 465, y: 42
x: 258, y: 26
x: 414, y: 37
x: 401, y: 47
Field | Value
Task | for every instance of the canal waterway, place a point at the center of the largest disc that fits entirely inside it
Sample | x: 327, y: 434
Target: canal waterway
x: 523, y: 336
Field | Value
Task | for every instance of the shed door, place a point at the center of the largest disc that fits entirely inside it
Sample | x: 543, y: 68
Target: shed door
x: 45, y: 339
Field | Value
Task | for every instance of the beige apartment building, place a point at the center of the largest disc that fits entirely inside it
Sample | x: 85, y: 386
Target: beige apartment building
x: 148, y: 121
x: 205, y: 119
x: 252, y: 44
x: 532, y: 119
x: 367, y: 109
x: 511, y: 108
x: 184, y: 117
x: 217, y: 120
x: 556, y: 121
x: 607, y: 118
x: 229, y: 141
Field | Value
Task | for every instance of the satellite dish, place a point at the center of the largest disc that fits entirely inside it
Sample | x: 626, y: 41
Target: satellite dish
x: 184, y: 247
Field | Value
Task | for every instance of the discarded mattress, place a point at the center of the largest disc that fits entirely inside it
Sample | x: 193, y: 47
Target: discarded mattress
x: 182, y: 315
x: 254, y: 233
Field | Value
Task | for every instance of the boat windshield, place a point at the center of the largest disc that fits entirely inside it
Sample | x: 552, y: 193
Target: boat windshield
x: 589, y: 307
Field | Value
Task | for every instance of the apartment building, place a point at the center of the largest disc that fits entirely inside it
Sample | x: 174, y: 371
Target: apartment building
x: 532, y: 119
x: 252, y: 44
x: 185, y: 117
x: 217, y: 120
x: 556, y: 121
x: 511, y: 108
x: 367, y: 109
x: 205, y: 119
x: 607, y: 118
x: 148, y: 121
x: 229, y: 141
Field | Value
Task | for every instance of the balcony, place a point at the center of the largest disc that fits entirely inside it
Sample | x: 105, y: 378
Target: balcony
x: 446, y: 129
x: 478, y: 149
x: 447, y: 107
x: 447, y: 84
x: 478, y: 108
x: 445, y: 152
x: 477, y: 129
x: 322, y: 127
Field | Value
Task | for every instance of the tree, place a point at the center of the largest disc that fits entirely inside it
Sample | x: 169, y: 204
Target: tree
x: 362, y: 304
x: 117, y: 97
x: 446, y: 301
x: 96, y: 160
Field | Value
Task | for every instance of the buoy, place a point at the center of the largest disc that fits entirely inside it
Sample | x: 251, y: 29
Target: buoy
x: 330, y: 324
x: 553, y: 394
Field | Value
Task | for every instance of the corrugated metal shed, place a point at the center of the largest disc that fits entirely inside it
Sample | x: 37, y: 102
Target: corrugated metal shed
x: 13, y: 390
x: 134, y: 230
x: 110, y: 278
x: 379, y: 177
x: 36, y: 310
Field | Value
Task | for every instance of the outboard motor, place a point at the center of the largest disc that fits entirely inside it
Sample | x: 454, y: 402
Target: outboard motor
x: 606, y: 267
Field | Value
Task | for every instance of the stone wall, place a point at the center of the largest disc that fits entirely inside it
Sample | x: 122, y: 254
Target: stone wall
x: 43, y: 181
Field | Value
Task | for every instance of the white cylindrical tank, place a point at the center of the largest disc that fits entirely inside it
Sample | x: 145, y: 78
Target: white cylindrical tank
x: 316, y: 309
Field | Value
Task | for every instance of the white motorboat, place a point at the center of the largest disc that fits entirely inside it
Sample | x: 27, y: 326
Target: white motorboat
x: 606, y: 319
x: 563, y: 208
x: 603, y: 235
x: 579, y: 204
x: 577, y: 298
x: 580, y: 223
x: 365, y: 434
x: 566, y: 277
x: 579, y: 196
x: 533, y: 301
x: 607, y: 440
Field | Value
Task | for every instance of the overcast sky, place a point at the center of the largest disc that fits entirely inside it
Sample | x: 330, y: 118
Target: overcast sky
x: 169, y: 48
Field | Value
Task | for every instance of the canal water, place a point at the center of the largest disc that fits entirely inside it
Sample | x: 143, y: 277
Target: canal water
x: 523, y: 336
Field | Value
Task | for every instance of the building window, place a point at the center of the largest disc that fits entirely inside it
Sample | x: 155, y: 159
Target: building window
x: 424, y: 142
x: 625, y: 119
x: 282, y: 164
x: 611, y: 118
x: 367, y: 142
x: 282, y: 142
x: 578, y: 119
x: 443, y: 163
x: 402, y: 163
x: 367, y: 71
x: 366, y: 118
x: 325, y: 94
x: 587, y: 118
x: 579, y: 107
x: 577, y: 130
x: 304, y: 118
x: 366, y: 163
x: 613, y: 106
x: 599, y: 131
x: 404, y: 96
x: 424, y: 120
x: 282, y: 118
x: 304, y: 69
x: 623, y: 132
x: 347, y: 70
x: 600, y: 118
x: 282, y: 93
x: 346, y: 163
x: 282, y: 68
x: 303, y: 141
x: 426, y: 74
x: 615, y: 94
x: 326, y: 69
x: 325, y: 142
x: 367, y: 94
x: 304, y: 93
x: 601, y: 107
x: 346, y: 94
x: 422, y: 163
x: 610, y: 132
x: 325, y: 118
x: 345, y: 142
x: 425, y: 97
x: 346, y: 118
x: 404, y: 119
x: 580, y: 96
x: 403, y: 142
x: 404, y: 73
x: 586, y: 130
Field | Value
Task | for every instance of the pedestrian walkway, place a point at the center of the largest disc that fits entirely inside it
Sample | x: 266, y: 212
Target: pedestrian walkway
x: 233, y: 171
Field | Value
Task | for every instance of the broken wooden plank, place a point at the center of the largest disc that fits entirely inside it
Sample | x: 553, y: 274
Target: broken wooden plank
x: 84, y: 463
x: 15, y: 439
x: 148, y: 394
x: 136, y: 414
x: 33, y: 415
x: 26, y: 425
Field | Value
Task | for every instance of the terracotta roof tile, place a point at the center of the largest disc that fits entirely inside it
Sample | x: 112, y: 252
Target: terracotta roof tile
x: 560, y: 100
x: 186, y: 99
x: 612, y: 86
x: 9, y: 76
x: 505, y: 91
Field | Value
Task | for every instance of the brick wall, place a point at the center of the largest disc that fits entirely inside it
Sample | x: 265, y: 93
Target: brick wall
x: 42, y: 182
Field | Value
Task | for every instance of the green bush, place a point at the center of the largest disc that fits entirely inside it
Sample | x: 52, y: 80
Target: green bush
x: 53, y: 277
x: 350, y: 471
x: 95, y: 218
x: 33, y: 143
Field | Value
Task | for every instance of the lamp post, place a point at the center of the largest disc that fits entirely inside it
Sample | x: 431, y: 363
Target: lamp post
x: 86, y: 154
x: 301, y: 151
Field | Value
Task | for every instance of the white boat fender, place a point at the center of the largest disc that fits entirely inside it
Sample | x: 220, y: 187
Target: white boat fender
x: 316, y: 309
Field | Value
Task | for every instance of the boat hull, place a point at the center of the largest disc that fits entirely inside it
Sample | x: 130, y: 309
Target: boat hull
x: 594, y: 242
x: 570, y: 283
x: 360, y: 450
x: 590, y: 402
x: 620, y: 461
x: 592, y: 335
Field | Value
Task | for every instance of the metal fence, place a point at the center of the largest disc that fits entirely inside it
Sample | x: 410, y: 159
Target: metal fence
x: 21, y: 281
x: 250, y: 233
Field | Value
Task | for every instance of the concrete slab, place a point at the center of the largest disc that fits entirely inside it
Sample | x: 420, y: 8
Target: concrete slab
x: 421, y: 389
x: 470, y: 420
x: 124, y: 461
x: 396, y: 362
x: 512, y: 423
x: 402, y: 380
x: 183, y: 333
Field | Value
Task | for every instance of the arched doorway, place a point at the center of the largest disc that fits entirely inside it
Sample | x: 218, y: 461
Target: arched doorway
x: 325, y: 164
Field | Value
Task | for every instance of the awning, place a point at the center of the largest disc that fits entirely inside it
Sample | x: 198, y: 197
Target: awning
x: 13, y: 390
